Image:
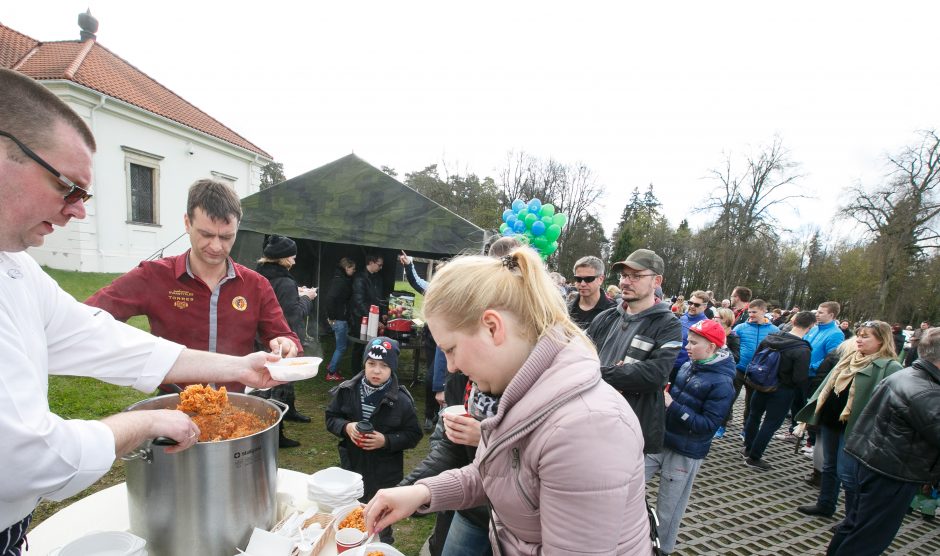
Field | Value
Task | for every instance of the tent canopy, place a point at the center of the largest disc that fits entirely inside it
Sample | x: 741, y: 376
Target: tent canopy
x: 349, y: 201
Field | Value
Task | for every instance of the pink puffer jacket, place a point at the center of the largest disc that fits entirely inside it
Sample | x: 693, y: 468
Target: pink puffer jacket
x: 561, y: 462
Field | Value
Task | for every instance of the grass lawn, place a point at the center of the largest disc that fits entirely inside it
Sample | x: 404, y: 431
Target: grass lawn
x: 84, y: 398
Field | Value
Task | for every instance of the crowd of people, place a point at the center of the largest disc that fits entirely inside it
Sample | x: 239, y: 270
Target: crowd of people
x: 551, y: 380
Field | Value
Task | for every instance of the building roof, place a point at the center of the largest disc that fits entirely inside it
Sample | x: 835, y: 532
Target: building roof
x: 91, y: 65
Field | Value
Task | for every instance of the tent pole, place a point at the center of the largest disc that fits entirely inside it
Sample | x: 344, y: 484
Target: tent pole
x: 319, y: 264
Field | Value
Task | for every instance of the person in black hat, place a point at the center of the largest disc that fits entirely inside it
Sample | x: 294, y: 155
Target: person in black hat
x: 280, y: 254
x: 375, y: 397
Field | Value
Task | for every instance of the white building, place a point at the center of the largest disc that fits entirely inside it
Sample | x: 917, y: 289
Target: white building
x: 152, y: 145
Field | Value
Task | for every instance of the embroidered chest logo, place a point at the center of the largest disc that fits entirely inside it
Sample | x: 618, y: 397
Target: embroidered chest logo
x: 240, y: 303
x: 181, y: 298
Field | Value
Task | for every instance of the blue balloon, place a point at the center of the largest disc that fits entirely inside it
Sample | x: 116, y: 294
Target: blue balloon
x: 518, y: 226
x: 512, y: 219
x: 518, y: 205
x: 508, y: 232
x: 535, y: 206
x: 538, y: 228
x: 506, y: 214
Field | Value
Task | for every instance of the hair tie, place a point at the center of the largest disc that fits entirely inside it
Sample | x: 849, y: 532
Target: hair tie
x: 510, y: 262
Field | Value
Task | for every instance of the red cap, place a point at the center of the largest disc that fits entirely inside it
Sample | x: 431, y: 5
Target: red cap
x: 710, y: 330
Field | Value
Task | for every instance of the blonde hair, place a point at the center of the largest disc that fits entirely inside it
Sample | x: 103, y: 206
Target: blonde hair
x: 882, y: 332
x: 613, y: 291
x: 516, y: 283
x: 282, y: 261
x: 726, y: 316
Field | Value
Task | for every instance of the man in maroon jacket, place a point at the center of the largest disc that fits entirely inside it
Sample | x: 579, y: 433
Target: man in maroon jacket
x: 202, y: 298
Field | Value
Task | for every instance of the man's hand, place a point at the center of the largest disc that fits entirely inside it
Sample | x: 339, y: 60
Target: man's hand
x: 284, y: 346
x: 462, y: 429
x: 404, y: 259
x: 131, y: 428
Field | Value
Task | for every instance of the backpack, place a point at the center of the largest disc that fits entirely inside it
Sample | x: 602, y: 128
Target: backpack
x: 761, y: 372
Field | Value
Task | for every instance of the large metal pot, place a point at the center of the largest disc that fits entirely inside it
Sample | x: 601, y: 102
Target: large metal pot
x: 208, y: 499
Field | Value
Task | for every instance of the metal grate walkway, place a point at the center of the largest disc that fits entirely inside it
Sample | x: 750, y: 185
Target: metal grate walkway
x: 738, y: 510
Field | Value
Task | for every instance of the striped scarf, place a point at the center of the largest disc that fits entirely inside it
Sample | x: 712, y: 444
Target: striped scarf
x: 370, y: 396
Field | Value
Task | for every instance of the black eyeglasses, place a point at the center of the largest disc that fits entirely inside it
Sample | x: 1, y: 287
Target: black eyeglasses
x: 694, y: 304
x: 634, y: 277
x: 585, y: 279
x: 74, y: 194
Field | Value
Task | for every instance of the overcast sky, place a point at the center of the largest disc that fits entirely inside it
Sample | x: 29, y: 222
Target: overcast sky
x: 652, y: 93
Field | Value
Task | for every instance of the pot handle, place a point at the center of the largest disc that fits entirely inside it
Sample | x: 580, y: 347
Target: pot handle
x: 281, y: 405
x: 165, y: 441
x: 146, y: 453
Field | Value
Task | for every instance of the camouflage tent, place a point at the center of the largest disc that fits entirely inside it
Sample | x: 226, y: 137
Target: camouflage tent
x: 349, y: 208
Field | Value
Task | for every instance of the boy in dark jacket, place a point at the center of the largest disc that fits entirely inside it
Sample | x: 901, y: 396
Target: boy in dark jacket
x: 375, y: 396
x: 792, y: 377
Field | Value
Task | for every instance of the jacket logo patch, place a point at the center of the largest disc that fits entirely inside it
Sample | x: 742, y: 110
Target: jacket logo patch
x: 181, y: 298
x: 240, y: 303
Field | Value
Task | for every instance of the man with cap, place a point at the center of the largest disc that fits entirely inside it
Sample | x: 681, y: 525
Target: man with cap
x: 638, y: 342
x: 375, y: 420
x: 203, y: 299
x: 695, y: 405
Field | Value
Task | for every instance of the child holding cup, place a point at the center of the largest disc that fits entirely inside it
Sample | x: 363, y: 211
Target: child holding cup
x: 544, y: 462
x: 374, y: 417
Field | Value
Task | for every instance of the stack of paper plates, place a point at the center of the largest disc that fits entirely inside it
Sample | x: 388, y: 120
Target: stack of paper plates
x: 334, y: 487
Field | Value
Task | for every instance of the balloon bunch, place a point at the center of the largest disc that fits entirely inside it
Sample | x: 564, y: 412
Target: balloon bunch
x: 534, y: 224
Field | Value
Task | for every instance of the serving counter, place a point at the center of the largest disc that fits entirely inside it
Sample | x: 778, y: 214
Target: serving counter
x: 106, y: 510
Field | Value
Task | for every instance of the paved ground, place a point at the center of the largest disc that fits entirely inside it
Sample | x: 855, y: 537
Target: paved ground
x: 737, y: 510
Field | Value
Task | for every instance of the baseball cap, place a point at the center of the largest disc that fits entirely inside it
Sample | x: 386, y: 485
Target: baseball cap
x: 710, y: 330
x: 642, y: 259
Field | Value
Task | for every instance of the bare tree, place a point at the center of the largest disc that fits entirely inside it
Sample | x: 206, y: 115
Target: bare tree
x: 900, y: 215
x: 744, y: 202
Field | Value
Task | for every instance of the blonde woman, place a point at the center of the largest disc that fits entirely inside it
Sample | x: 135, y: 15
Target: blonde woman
x: 839, y: 401
x: 725, y: 317
x: 543, y: 460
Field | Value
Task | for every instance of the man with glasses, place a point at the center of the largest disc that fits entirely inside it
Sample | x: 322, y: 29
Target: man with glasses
x: 697, y: 304
x: 637, y: 343
x: 367, y: 290
x: 588, y: 278
x: 45, y: 170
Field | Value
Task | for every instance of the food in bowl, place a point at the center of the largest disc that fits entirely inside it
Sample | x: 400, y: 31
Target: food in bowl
x: 294, y: 368
x: 354, y: 520
x: 375, y: 553
x: 218, y: 419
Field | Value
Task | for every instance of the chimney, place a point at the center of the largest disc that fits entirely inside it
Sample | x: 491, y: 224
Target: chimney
x: 89, y: 26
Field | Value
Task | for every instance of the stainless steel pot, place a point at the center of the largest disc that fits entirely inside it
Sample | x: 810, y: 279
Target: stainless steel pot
x: 208, y: 499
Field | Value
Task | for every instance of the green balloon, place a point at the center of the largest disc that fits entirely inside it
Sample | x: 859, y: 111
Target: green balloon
x: 503, y: 227
x: 553, y: 232
x: 548, y: 221
x: 552, y: 247
x: 529, y: 220
x: 560, y: 219
x: 540, y: 243
x: 522, y: 214
x: 521, y: 238
x: 547, y: 210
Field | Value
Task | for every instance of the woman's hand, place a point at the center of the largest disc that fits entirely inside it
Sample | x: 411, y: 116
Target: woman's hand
x: 461, y: 429
x: 391, y: 505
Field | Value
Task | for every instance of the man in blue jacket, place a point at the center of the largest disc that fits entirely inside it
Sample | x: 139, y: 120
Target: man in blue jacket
x: 752, y: 333
x: 698, y: 302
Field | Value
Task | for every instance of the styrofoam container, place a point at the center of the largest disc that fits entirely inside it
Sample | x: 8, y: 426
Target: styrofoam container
x: 387, y: 549
x: 105, y: 543
x: 335, y: 480
x: 294, y: 368
x: 341, y: 513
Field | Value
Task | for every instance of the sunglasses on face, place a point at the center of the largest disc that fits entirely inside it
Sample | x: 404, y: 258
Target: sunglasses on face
x: 74, y: 194
x: 694, y: 304
x: 585, y: 279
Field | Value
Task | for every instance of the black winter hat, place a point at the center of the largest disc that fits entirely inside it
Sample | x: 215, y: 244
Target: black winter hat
x: 382, y: 349
x: 279, y: 247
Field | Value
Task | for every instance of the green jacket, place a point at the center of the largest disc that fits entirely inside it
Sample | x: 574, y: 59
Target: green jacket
x: 865, y: 382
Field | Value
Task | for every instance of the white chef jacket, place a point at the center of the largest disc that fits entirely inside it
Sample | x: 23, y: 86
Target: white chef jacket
x: 43, y: 331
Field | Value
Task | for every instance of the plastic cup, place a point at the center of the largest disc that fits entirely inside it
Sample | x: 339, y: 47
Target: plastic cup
x: 455, y: 410
x: 348, y: 538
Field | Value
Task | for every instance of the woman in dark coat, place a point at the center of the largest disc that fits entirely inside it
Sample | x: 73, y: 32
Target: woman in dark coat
x: 280, y: 254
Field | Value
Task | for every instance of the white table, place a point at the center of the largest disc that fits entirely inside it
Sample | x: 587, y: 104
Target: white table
x: 106, y: 510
